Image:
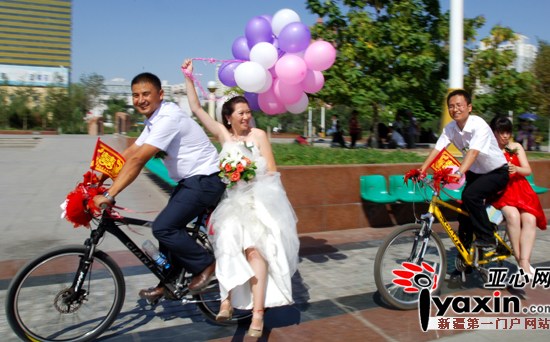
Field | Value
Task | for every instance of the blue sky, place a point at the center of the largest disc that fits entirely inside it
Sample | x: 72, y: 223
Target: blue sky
x: 119, y: 39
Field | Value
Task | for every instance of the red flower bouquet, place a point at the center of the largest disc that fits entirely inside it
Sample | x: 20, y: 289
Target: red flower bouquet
x: 236, y: 166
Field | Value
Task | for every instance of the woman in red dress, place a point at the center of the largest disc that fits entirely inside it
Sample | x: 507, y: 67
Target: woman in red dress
x: 519, y: 204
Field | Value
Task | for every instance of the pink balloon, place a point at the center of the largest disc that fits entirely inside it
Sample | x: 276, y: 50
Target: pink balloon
x: 313, y: 82
x: 300, y: 106
x: 287, y: 93
x: 273, y: 72
x: 269, y: 103
x: 320, y: 55
x: 291, y: 69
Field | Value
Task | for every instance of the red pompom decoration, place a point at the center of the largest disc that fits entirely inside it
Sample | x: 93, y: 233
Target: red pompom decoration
x: 79, y: 208
x: 444, y: 176
x: 414, y: 175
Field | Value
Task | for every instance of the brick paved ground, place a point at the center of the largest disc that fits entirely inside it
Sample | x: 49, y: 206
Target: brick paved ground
x: 334, y: 291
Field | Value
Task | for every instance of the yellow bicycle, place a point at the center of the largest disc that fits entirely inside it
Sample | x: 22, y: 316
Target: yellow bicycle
x: 423, y: 251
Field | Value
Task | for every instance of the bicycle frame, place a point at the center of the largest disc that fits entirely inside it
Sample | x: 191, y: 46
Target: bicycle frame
x: 108, y: 224
x: 468, y: 255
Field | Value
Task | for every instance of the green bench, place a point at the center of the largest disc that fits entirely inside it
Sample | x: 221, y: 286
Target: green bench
x: 156, y: 166
x: 374, y: 188
x: 407, y: 192
x: 536, y: 188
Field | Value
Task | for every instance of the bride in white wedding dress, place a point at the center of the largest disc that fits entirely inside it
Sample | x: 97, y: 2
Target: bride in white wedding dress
x: 254, y: 226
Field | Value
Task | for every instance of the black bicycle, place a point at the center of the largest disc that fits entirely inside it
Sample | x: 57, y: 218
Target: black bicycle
x: 75, y: 292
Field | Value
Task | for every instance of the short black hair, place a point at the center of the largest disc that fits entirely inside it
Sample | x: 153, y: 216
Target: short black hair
x: 462, y: 92
x: 501, y: 124
x: 147, y: 77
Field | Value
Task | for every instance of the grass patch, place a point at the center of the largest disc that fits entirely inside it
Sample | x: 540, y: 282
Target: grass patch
x: 295, y: 154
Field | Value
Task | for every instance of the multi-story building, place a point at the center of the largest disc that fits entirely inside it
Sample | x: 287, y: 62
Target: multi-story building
x: 525, y: 57
x: 35, y: 42
x: 525, y: 53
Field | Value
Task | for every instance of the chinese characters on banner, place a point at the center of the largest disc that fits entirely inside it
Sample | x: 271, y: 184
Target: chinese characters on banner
x: 106, y: 160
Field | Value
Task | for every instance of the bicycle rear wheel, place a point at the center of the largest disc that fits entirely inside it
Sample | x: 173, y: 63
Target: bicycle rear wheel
x: 42, y: 306
x: 208, y: 300
x: 400, y: 247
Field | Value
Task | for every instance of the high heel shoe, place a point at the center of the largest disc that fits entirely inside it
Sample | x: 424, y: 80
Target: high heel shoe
x: 257, y: 333
x: 226, y: 311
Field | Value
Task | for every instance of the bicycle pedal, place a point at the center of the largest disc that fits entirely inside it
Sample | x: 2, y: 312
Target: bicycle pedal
x: 153, y: 303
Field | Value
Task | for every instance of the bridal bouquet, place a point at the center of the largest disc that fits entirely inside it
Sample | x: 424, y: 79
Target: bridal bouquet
x: 236, y: 166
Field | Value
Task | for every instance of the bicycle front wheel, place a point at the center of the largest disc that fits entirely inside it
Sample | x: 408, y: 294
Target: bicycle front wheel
x: 403, y: 246
x: 41, y: 304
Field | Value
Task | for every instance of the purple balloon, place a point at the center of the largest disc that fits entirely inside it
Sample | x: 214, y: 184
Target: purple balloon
x: 267, y: 17
x: 226, y: 73
x: 275, y: 43
x: 294, y: 37
x: 240, y: 49
x: 252, y: 99
x: 258, y: 29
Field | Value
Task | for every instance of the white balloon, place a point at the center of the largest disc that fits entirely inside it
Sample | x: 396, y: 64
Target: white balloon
x: 300, y: 106
x: 268, y: 82
x: 250, y: 76
x: 282, y: 18
x: 265, y: 54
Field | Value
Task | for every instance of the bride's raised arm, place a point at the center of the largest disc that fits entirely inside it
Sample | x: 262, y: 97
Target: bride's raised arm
x: 213, y: 126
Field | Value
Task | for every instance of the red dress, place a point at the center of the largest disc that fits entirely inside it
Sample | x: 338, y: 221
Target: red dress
x: 518, y: 193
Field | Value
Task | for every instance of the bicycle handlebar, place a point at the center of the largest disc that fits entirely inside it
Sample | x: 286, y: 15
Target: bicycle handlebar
x: 439, y: 179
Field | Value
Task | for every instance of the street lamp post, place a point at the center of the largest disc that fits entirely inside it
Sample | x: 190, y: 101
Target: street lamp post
x: 212, y: 99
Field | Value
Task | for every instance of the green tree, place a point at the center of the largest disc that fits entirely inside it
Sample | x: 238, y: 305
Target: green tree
x: 4, y: 110
x: 94, y: 86
x: 491, y: 70
x: 22, y: 105
x: 115, y: 105
x: 541, y: 70
x: 57, y: 108
x: 391, y: 54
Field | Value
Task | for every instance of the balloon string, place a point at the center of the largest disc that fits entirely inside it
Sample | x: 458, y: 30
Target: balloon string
x: 211, y: 61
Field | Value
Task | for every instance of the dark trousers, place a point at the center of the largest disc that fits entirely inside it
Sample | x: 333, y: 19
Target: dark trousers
x: 477, y: 193
x: 354, y: 138
x: 338, y: 138
x: 189, y: 199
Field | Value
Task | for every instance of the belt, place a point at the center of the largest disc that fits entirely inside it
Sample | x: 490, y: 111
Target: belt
x: 210, y: 175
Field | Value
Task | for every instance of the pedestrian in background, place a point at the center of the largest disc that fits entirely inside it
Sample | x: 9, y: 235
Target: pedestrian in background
x: 354, y: 128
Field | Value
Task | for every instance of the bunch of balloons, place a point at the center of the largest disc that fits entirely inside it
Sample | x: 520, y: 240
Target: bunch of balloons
x: 276, y: 63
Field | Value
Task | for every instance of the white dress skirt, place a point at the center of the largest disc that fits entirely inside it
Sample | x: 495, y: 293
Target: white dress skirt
x: 254, y: 214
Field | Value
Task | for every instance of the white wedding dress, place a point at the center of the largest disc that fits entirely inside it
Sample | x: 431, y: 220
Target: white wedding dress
x: 255, y: 214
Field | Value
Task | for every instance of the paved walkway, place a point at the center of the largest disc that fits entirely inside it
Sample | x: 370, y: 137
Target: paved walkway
x: 334, y: 291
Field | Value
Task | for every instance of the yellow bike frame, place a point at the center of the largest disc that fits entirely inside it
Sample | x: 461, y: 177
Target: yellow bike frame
x: 467, y: 255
